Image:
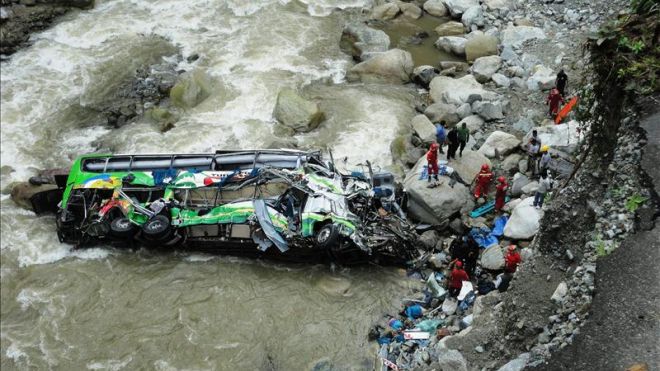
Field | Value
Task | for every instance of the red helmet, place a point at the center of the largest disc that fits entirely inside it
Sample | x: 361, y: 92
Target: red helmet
x: 501, y: 179
x: 512, y: 247
x: 459, y: 264
x: 485, y: 167
x: 434, y: 146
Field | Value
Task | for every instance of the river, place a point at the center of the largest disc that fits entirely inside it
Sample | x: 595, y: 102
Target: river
x: 112, y: 309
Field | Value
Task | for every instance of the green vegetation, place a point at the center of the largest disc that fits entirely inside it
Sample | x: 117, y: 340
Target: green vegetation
x: 634, y: 202
x: 601, y: 248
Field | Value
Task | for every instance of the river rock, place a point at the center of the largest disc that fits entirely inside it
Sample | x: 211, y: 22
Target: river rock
x: 517, y: 364
x: 464, y: 110
x: 510, y: 163
x: 385, y: 11
x: 435, y: 8
x: 434, y: 205
x: 524, y: 221
x: 484, y: 67
x: 451, y: 360
x: 542, y: 79
x: 452, y: 44
x: 423, y: 75
x: 501, y: 80
x: 410, y: 10
x: 488, y: 110
x: 473, y: 16
x: 192, y: 88
x: 457, y: 66
x: 429, y: 238
x: 437, y: 112
x: 469, y: 164
x: 497, y: 4
x: 562, y: 137
x: 392, y: 66
x: 499, y: 142
x: 458, y: 7
x: 457, y: 91
x: 450, y: 28
x: 473, y: 123
x: 492, y: 258
x: 424, y: 128
x: 560, y: 293
x: 480, y: 46
x: 358, y: 39
x: 296, y: 112
x: 515, y: 36
x: 404, y: 151
x: 22, y: 192
x: 519, y: 181
x: 530, y: 188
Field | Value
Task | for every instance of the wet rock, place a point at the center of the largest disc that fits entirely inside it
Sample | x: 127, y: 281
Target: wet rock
x: 524, y: 222
x: 358, y: 39
x: 296, y: 113
x: 450, y: 28
x: 542, y: 79
x: 484, y: 67
x: 434, y: 205
x: 404, y: 151
x: 449, y: 90
x: 393, y: 66
x: 423, y: 128
x: 562, y: 137
x: 423, y: 75
x: 473, y: 16
x: 435, y: 8
x: 437, y: 112
x: 458, y: 7
x: 469, y: 164
x: 473, y: 123
x: 191, y: 89
x: 451, y: 360
x: 480, y: 46
x: 385, y: 11
x: 516, y: 35
x: 452, y: 44
x: 499, y: 143
x: 22, y: 191
x: 492, y: 258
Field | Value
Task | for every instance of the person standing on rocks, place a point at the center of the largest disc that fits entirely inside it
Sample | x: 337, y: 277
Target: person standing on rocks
x: 500, y: 193
x: 545, y: 184
x: 440, y: 135
x: 452, y: 138
x: 463, y: 137
x: 562, y: 80
x: 554, y: 98
x: 483, y: 179
x: 456, y: 278
x: 432, y: 159
x: 544, y: 162
x: 533, y: 148
x: 512, y: 259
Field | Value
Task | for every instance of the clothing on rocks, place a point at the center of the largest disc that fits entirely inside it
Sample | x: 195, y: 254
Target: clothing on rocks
x: 452, y: 138
x: 561, y: 81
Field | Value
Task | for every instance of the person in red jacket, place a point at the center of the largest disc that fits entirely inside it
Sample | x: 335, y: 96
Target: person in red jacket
x: 432, y: 158
x: 483, y: 181
x: 512, y: 259
x: 554, y: 98
x: 500, y: 194
x: 458, y: 275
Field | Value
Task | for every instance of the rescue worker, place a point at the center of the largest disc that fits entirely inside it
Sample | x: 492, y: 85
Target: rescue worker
x: 458, y: 275
x: 452, y: 139
x: 544, y: 162
x: 511, y: 259
x: 483, y: 179
x: 545, y: 184
x: 554, y: 98
x: 561, y: 81
x: 472, y: 255
x: 463, y: 138
x: 432, y: 159
x: 533, y: 148
x: 440, y: 135
x: 500, y: 194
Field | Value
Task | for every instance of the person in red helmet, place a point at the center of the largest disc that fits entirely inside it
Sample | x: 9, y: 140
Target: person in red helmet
x: 511, y: 259
x: 458, y: 275
x: 432, y: 158
x: 500, y: 194
x: 483, y: 179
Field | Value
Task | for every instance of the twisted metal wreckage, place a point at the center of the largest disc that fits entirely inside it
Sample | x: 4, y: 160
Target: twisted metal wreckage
x: 280, y: 204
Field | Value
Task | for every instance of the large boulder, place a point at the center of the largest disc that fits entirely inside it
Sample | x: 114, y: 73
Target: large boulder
x: 542, y: 79
x: 358, y: 39
x: 404, y: 151
x: 473, y: 123
x: 434, y: 205
x: 458, y: 7
x: 392, y: 66
x: 191, y: 89
x: 562, y: 137
x: 452, y: 44
x: 484, y: 67
x: 515, y: 36
x: 492, y: 258
x: 297, y: 113
x: 451, y: 360
x: 489, y: 111
x: 473, y: 16
x: 435, y: 8
x: 423, y: 75
x: 497, y: 4
x: 510, y: 163
x: 468, y: 165
x: 519, y: 181
x: 385, y: 11
x: 457, y: 91
x: 450, y: 28
x: 424, y: 128
x: 500, y: 143
x: 442, y: 112
x: 410, y: 10
x: 480, y: 46
x: 500, y: 80
x: 22, y: 192
x: 524, y: 221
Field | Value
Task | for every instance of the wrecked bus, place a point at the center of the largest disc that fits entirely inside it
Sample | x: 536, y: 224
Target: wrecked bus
x: 280, y: 204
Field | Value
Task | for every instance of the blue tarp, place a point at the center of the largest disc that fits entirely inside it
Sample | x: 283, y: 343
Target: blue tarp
x: 498, y: 228
x: 442, y: 170
x: 483, y: 236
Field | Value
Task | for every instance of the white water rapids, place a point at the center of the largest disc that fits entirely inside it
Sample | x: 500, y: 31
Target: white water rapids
x: 120, y: 310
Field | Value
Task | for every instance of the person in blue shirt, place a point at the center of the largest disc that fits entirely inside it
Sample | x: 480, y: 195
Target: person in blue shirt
x: 440, y: 135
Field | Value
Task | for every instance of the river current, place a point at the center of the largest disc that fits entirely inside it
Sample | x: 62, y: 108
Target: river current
x: 112, y: 309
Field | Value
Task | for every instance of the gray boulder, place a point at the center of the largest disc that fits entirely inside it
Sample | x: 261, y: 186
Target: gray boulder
x: 440, y: 111
x: 458, y: 7
x: 473, y: 16
x: 480, y: 46
x: 515, y: 36
x: 530, y: 188
x: 423, y: 75
x: 499, y: 142
x: 469, y: 164
x: 492, y: 258
x: 423, y: 128
x: 517, y: 364
x: 524, y: 222
x: 519, y: 181
x: 510, y: 163
x: 297, y: 113
x: 404, y: 151
x: 473, y: 123
x: 385, y: 11
x: 434, y: 205
x: 562, y: 137
x: 457, y: 91
x: 501, y: 80
x: 410, y: 10
x: 392, y: 66
x: 484, y: 67
x: 451, y: 360
x: 450, y: 28
x: 192, y: 88
x: 542, y: 79
x: 452, y: 44
x: 435, y: 8
x: 22, y: 192
x: 464, y: 110
x: 488, y: 110
x: 497, y: 4
x: 358, y: 39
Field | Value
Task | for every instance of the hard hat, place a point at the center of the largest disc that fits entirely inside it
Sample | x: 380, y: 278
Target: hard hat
x: 434, y: 146
x: 459, y: 264
x: 485, y: 167
x: 545, y: 148
x: 501, y: 179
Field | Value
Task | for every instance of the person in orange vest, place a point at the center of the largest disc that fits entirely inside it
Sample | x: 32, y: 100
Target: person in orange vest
x: 512, y: 259
x: 500, y: 194
x: 483, y: 181
x: 554, y: 98
x: 432, y: 158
